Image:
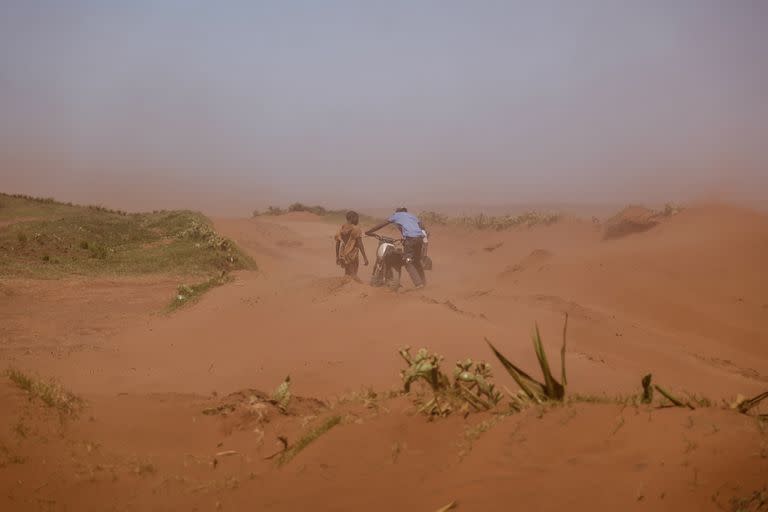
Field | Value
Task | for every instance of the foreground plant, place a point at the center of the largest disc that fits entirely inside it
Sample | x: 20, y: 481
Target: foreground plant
x: 533, y: 390
x: 648, y: 389
x: 472, y: 381
x: 471, y: 386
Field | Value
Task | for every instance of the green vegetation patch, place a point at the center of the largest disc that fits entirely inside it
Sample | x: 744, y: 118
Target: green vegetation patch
x: 491, y: 222
x: 15, y: 206
x: 96, y: 241
x: 337, y: 216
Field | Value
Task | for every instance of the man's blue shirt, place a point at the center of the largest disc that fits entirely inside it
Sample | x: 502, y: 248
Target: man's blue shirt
x: 408, y: 223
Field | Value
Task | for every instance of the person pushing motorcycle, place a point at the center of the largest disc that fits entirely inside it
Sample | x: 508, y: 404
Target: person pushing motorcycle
x: 413, y: 243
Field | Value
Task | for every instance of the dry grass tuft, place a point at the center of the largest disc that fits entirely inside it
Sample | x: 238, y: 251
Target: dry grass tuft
x: 307, y: 439
x: 188, y: 294
x: 490, y: 222
x: 51, y: 393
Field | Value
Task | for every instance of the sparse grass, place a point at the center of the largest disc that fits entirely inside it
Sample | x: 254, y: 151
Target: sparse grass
x: 307, y: 439
x: 50, y: 393
x: 699, y: 401
x: 21, y: 429
x: 491, y: 222
x: 756, y: 502
x: 475, y: 432
x: 189, y: 294
x: 96, y: 241
x: 367, y: 397
x: 6, y: 457
x: 13, y: 206
x: 337, y: 216
x: 619, y: 425
x: 145, y: 468
x: 430, y: 218
x: 577, y: 398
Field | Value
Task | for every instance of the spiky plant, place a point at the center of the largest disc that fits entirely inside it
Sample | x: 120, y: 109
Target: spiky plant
x: 534, y: 390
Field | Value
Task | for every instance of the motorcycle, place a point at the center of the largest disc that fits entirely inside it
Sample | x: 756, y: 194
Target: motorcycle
x: 389, y: 261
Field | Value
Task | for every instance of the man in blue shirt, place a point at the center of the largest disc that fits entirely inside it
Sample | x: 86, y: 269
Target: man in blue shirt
x: 413, y: 243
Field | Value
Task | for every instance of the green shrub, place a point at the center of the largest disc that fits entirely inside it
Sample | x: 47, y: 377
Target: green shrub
x: 98, y: 251
x: 274, y: 210
x: 299, y: 207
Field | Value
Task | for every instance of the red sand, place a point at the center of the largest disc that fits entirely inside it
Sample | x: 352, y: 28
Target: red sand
x: 686, y: 300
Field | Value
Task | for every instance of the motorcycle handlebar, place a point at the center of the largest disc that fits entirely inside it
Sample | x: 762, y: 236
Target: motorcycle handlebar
x: 384, y: 238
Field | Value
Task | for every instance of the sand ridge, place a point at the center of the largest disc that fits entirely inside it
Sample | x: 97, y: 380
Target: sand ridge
x: 685, y: 300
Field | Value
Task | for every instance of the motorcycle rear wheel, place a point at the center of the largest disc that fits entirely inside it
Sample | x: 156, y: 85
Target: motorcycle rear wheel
x: 377, y: 277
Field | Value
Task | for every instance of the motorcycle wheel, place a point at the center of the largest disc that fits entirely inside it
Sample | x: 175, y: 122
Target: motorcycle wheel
x: 377, y: 277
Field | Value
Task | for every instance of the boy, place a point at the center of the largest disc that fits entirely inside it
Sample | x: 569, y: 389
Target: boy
x: 349, y: 240
x: 413, y: 243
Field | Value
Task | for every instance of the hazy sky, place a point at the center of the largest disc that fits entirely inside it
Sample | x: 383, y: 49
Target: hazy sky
x: 243, y: 103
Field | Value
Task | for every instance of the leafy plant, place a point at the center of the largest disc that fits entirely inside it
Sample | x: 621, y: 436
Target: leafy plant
x: 471, y: 386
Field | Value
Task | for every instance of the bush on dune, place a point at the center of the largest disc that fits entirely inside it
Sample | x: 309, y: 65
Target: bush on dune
x: 490, y: 222
x: 636, y: 219
x: 320, y: 211
x: 93, y: 240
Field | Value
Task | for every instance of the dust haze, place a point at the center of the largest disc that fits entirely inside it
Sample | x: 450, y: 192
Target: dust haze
x: 231, y: 108
x: 578, y: 319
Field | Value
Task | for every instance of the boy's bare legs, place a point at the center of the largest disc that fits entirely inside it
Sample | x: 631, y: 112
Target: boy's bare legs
x: 351, y: 269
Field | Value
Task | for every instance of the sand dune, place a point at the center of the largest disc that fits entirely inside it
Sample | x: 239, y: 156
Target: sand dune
x: 686, y: 300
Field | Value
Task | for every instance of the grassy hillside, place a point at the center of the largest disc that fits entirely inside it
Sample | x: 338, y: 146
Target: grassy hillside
x: 20, y: 206
x: 64, y: 239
